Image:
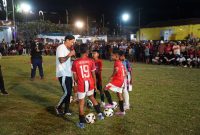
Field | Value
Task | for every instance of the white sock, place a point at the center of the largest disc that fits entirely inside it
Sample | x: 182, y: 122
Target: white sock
x: 126, y: 97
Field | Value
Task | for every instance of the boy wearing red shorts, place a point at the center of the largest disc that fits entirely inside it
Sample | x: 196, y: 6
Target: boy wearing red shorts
x: 84, y: 74
x: 116, y: 83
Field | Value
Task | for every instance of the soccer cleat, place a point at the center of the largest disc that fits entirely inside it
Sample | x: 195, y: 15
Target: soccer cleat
x: 120, y: 113
x: 108, y: 106
x: 68, y: 114
x: 89, y: 103
x: 59, y: 111
x: 126, y: 107
x: 4, y: 92
x: 80, y: 125
x: 100, y: 116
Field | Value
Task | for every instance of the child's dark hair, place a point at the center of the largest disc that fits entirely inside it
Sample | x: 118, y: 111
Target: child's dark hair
x: 95, y: 51
x: 121, y: 53
x: 83, y: 48
x: 116, y: 51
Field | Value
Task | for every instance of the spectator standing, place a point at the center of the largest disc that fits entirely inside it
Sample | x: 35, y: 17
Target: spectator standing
x: 36, y: 59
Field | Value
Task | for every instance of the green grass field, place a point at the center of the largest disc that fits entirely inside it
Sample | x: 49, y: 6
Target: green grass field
x: 165, y: 100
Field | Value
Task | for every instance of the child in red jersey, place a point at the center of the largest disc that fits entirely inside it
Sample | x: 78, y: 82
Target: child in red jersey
x: 84, y: 74
x: 116, y: 83
x: 98, y: 73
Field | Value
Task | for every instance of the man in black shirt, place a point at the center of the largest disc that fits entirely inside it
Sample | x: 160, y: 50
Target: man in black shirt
x: 169, y: 58
x: 2, y: 87
x: 36, y: 59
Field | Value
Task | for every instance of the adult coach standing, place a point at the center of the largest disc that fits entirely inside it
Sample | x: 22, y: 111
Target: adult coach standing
x: 64, y: 53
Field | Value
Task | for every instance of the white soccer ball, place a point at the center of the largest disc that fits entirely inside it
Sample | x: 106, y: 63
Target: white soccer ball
x: 108, y: 112
x: 115, y: 105
x: 90, y: 118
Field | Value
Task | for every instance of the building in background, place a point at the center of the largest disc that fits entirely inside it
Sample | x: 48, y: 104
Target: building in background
x: 6, y: 30
x: 171, y: 30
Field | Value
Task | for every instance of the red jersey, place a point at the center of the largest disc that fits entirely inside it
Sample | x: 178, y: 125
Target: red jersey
x: 191, y: 53
x: 168, y: 49
x: 118, y: 78
x: 98, y: 64
x: 83, y: 68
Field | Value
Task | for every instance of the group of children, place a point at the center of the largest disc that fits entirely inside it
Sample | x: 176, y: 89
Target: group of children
x: 87, y: 74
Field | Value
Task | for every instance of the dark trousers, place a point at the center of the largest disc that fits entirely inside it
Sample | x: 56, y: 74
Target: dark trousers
x: 2, y: 87
x: 66, y: 84
x: 37, y: 62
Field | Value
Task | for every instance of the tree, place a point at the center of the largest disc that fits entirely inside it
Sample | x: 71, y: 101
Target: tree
x: 32, y: 29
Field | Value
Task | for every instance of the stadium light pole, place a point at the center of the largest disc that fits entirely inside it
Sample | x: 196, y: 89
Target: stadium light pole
x: 4, y: 2
x: 15, y: 30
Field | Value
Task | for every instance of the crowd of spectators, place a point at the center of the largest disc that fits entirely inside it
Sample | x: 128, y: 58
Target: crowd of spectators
x: 180, y: 53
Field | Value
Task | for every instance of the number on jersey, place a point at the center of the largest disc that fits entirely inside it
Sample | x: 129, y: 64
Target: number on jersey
x: 85, y: 71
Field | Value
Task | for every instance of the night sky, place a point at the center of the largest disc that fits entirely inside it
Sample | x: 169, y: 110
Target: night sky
x: 152, y: 10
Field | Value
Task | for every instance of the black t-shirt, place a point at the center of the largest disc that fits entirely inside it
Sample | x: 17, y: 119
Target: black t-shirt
x: 36, y: 50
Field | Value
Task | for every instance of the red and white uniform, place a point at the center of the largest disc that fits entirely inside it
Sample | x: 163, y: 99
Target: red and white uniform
x: 117, y: 82
x: 98, y: 64
x: 83, y: 68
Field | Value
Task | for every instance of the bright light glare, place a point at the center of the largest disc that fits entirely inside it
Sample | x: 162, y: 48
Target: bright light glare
x: 125, y: 17
x: 79, y: 24
x: 25, y: 7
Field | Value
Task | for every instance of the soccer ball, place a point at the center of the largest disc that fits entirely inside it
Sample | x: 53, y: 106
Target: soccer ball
x: 108, y: 112
x: 90, y: 118
x: 89, y: 103
x: 115, y: 105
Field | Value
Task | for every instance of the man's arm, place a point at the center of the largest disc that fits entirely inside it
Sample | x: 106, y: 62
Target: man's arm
x: 64, y: 59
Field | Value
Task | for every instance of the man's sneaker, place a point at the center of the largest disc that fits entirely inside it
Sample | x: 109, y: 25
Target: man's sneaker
x: 4, y: 92
x: 59, y: 111
x: 80, y: 125
x: 126, y: 107
x: 100, y: 116
x: 120, y: 113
